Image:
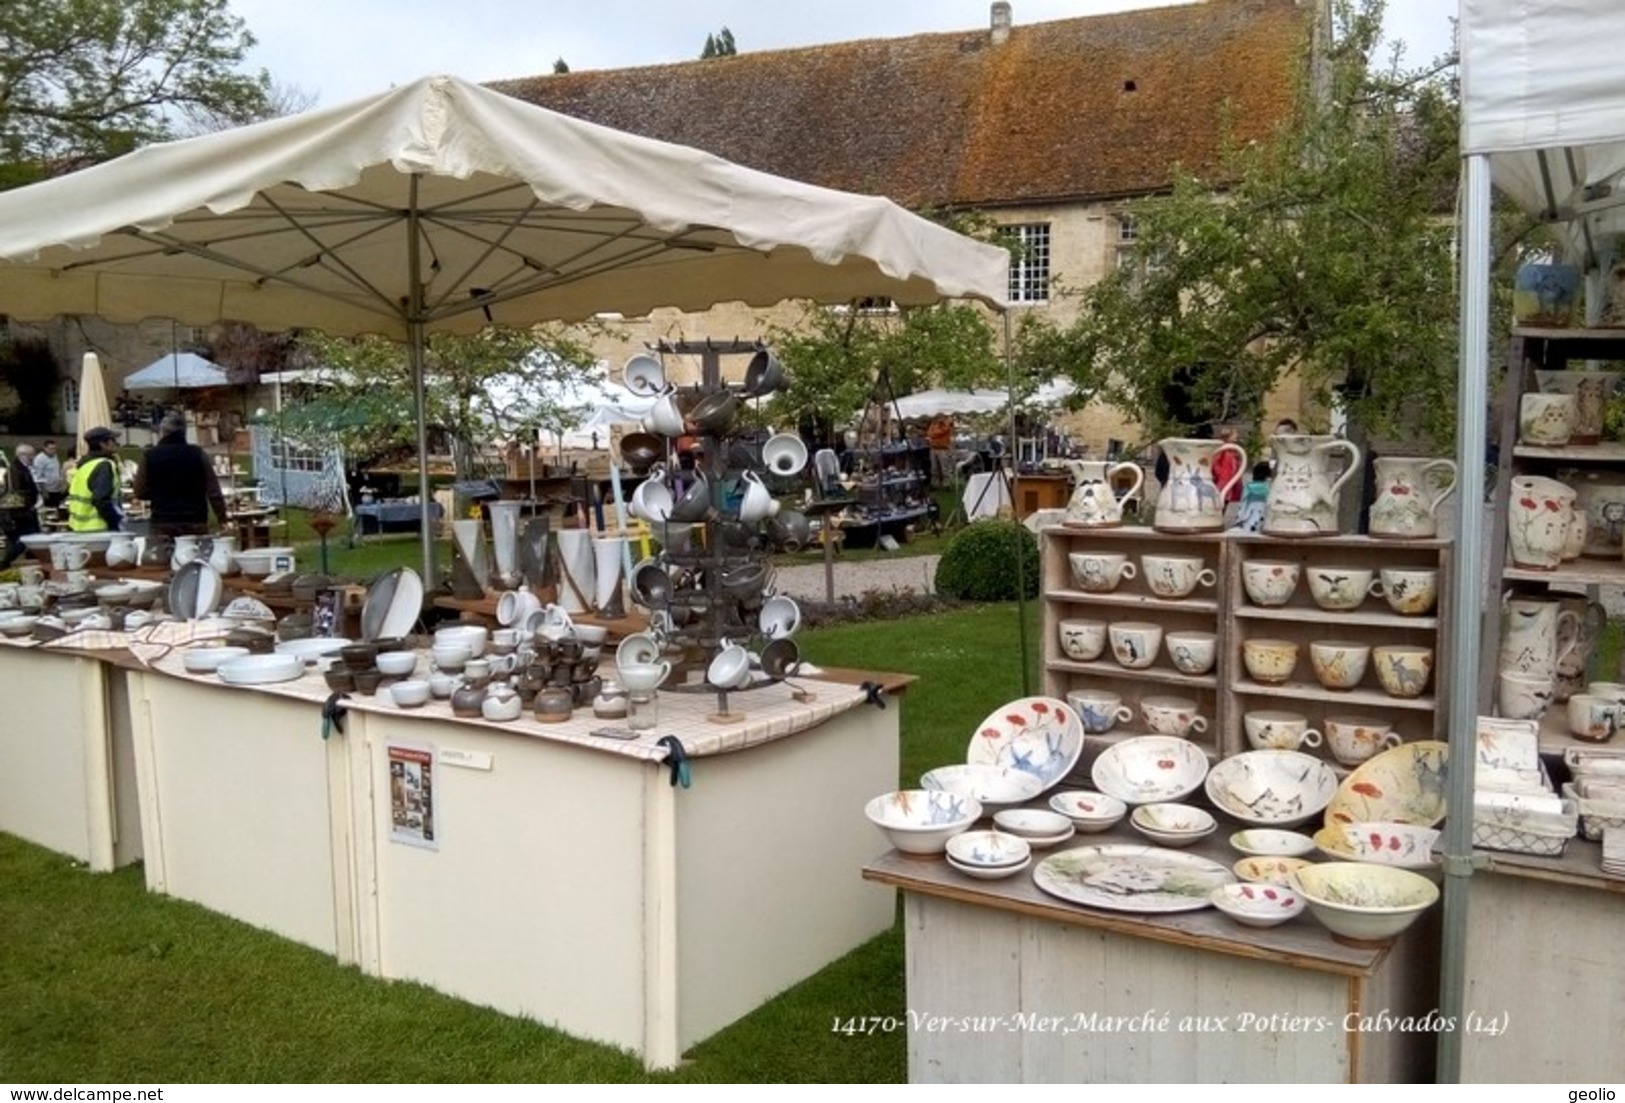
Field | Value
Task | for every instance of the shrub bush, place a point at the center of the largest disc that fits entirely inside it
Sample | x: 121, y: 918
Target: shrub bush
x: 979, y: 563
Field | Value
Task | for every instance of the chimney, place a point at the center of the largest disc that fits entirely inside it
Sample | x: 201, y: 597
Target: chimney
x: 1001, y: 22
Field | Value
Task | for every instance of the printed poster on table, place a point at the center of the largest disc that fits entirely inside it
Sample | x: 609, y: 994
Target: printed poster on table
x: 411, y: 797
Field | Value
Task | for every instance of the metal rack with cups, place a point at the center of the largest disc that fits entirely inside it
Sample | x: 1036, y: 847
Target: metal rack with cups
x: 1130, y: 660
x: 1575, y: 458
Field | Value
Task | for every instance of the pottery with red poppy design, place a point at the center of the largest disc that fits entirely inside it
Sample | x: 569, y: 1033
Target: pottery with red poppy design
x: 1409, y: 492
x: 1539, y: 515
x: 1254, y: 905
x: 1269, y: 581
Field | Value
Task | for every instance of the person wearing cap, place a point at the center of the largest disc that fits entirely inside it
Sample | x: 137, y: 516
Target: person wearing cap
x: 93, y: 490
x: 19, y: 498
x: 179, y: 480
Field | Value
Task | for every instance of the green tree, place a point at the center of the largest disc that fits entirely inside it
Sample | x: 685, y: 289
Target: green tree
x: 82, y: 81
x: 720, y: 44
x: 499, y: 384
x: 1328, y: 251
x: 560, y: 66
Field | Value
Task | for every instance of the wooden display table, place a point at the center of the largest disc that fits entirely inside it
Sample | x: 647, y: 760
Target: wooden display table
x: 1008, y: 984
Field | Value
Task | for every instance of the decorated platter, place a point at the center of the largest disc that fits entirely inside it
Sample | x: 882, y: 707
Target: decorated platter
x: 1405, y: 784
x: 1127, y: 878
x: 1040, y: 736
x: 1271, y: 788
x: 1149, y: 769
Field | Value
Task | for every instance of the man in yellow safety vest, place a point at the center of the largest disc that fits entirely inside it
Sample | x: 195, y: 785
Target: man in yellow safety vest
x: 93, y: 490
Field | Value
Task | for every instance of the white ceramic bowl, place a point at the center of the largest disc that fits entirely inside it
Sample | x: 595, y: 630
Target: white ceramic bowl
x: 1089, y: 812
x: 207, y: 660
x: 1257, y: 905
x: 1032, y: 823
x: 1269, y: 842
x: 451, y: 657
x: 1272, y: 870
x: 988, y: 849
x: 1362, y: 902
x: 1149, y: 768
x: 396, y: 664
x: 312, y: 648
x: 1271, y: 788
x: 989, y: 785
x: 1172, y: 824
x: 1401, y: 845
x: 473, y: 636
x: 409, y: 694
x: 260, y: 670
x: 920, y: 821
x: 989, y: 873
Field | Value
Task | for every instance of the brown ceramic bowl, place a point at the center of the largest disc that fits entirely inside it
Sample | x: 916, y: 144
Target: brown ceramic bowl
x: 639, y: 450
x: 339, y: 679
x: 367, y: 681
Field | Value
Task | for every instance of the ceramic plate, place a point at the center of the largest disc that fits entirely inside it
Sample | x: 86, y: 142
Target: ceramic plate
x: 260, y: 670
x: 1271, y: 788
x: 311, y: 648
x: 195, y: 591
x: 1121, y: 877
x: 1036, y: 735
x: 394, y: 603
x: 1149, y: 768
x: 1404, y: 784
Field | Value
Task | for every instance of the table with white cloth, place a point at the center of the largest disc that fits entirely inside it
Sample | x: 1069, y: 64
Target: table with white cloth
x: 986, y: 493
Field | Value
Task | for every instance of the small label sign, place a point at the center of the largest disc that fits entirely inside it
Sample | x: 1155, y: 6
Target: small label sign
x: 467, y: 760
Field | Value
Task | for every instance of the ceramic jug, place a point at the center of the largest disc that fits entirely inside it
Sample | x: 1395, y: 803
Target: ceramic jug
x: 222, y: 553
x: 186, y: 550
x: 1539, y: 516
x: 1575, y: 639
x: 1303, y: 495
x: 1094, y: 503
x: 122, y: 551
x: 1190, y: 501
x: 1409, y: 493
x: 1531, y: 631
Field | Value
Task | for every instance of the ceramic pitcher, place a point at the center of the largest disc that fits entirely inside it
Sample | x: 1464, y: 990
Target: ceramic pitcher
x: 1539, y: 516
x: 222, y: 553
x: 1531, y: 631
x: 1575, y: 639
x: 1303, y: 495
x: 1191, y: 501
x: 1409, y: 494
x: 1094, y: 503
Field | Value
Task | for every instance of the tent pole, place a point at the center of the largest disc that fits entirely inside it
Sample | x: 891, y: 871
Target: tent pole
x: 1466, y: 607
x: 414, y: 350
x: 1021, y: 574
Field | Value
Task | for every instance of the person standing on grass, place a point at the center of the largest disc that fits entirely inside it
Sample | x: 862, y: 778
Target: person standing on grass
x: 940, y: 436
x: 49, y: 476
x: 179, y: 480
x: 19, y: 501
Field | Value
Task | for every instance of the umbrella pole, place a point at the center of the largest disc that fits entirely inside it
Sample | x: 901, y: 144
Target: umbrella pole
x: 414, y: 346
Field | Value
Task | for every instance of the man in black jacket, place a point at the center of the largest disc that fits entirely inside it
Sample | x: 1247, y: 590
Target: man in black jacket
x: 179, y: 480
x: 19, y: 499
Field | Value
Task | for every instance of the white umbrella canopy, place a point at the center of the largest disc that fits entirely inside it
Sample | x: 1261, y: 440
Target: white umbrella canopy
x: 93, y: 407
x: 177, y: 371
x: 934, y: 402
x: 442, y: 205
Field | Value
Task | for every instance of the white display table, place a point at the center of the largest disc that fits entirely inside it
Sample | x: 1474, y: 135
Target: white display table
x: 567, y: 879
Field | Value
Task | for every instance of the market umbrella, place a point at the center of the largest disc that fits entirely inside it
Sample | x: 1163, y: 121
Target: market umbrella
x: 442, y: 205
x: 93, y: 407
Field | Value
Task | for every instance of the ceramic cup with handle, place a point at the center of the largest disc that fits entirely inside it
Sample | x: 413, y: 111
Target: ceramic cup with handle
x: 1409, y: 591
x: 1100, y: 572
x: 1353, y: 739
x: 1175, y: 576
x: 1339, y: 589
x: 1172, y: 715
x: 1279, y: 730
x: 1099, y: 709
x: 1593, y: 717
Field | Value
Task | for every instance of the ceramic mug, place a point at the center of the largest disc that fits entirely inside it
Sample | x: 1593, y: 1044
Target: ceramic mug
x: 1175, y: 576
x: 1172, y: 715
x: 1100, y: 572
x: 1339, y: 664
x: 1593, y: 717
x: 730, y: 669
x: 1522, y: 696
x: 1278, y: 730
x: 1409, y: 591
x: 1269, y: 582
x: 1342, y: 588
x: 1082, y: 640
x: 1270, y: 661
x: 1192, y: 652
x: 1099, y: 709
x: 1135, y: 643
x: 1353, y: 739
x: 31, y: 575
x: 69, y: 557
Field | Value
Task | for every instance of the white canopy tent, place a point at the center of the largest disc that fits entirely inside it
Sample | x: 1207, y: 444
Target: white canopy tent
x: 442, y: 205
x: 941, y: 401
x: 1543, y: 119
x: 177, y: 371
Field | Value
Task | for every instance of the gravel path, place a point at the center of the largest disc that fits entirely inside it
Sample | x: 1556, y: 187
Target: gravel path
x: 805, y: 582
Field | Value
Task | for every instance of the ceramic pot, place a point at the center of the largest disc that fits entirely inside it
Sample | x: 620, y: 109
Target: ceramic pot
x: 578, y: 584
x: 608, y: 553
x: 554, y: 704
x: 122, y: 551
x: 1545, y: 420
x: 1545, y: 294
x: 1577, y: 634
x: 1591, y: 391
x: 467, y: 699
x: 1409, y: 492
x: 1303, y: 495
x: 1574, y: 537
x: 469, y: 568
x: 1522, y: 696
x: 1538, y: 516
x: 1191, y: 500
x: 1094, y: 503
x: 505, y: 542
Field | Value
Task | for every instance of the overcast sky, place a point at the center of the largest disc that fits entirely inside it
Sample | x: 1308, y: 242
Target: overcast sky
x: 339, y: 50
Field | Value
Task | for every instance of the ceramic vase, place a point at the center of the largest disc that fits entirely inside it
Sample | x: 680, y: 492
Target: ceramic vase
x: 608, y: 553
x: 578, y: 581
x: 1191, y: 500
x: 1539, y: 513
x: 505, y: 542
x: 1545, y: 294
x: 1094, y: 502
x: 1303, y: 496
x: 1409, y: 492
x: 468, y: 566
x: 535, y: 564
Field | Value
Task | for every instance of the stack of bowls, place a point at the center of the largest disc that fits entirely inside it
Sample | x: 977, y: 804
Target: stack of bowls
x: 918, y: 821
x: 989, y: 855
x: 1172, y: 824
x: 1089, y: 812
x: 1039, y: 828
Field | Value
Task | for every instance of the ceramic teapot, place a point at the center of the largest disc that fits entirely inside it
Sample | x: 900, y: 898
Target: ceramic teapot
x: 1303, y: 495
x: 1191, y: 501
x: 1094, y: 503
x: 1409, y: 494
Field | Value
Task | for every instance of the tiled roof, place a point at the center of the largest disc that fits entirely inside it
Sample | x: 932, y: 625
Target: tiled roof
x: 952, y: 119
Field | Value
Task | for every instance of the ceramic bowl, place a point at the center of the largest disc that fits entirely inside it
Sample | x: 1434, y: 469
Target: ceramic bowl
x: 449, y: 657
x: 1364, y: 903
x: 1268, y: 870
x: 397, y: 664
x: 1135, y: 643
x: 1339, y: 664
x: 1257, y: 905
x: 1401, y: 845
x: 1082, y: 640
x: 1038, y: 827
x: 989, y: 873
x: 988, y: 849
x: 1172, y: 824
x: 1089, y: 812
x: 204, y: 660
x: 1270, y: 661
x: 1192, y: 652
x: 918, y: 821
x: 409, y: 694
x: 780, y: 616
x: 1149, y: 769
x: 1041, y: 736
x: 1269, y: 842
x: 1402, y: 670
x: 1268, y: 581
x: 643, y: 375
x: 987, y: 784
x: 1271, y: 788
x: 257, y: 670
x: 472, y: 636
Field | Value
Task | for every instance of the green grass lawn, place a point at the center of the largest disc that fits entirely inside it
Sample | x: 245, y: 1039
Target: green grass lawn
x: 101, y: 981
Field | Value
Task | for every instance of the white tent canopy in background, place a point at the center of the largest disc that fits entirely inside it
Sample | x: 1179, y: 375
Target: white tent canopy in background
x: 940, y: 401
x: 442, y: 206
x: 177, y: 371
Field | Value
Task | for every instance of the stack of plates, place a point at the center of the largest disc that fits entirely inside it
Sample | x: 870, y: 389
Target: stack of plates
x: 1613, y: 852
